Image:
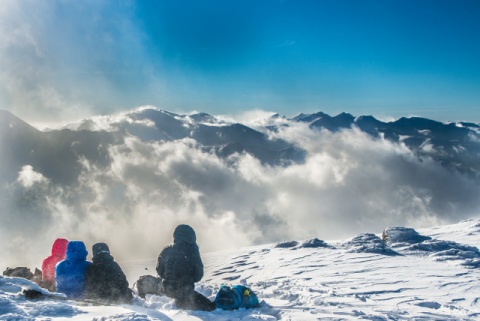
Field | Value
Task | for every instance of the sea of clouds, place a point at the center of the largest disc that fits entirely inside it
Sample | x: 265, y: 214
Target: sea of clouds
x: 349, y: 183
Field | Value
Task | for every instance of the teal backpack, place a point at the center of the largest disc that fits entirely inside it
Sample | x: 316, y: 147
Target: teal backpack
x: 236, y: 297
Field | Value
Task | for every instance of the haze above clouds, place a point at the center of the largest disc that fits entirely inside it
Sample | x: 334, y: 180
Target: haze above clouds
x: 63, y: 60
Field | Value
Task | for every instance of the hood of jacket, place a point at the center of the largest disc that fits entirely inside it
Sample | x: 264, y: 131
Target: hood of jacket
x: 76, y: 251
x: 184, y: 234
x: 59, y: 247
x: 101, y: 253
x: 99, y: 248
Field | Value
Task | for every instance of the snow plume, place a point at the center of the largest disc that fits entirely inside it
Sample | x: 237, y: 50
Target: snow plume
x: 348, y: 184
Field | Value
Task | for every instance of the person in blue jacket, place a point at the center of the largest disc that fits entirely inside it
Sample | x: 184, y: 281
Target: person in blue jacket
x: 70, y: 273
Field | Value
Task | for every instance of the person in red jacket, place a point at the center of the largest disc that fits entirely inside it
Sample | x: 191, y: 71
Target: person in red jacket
x: 59, y: 249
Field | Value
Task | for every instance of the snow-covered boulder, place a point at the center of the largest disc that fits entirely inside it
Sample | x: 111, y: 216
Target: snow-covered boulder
x: 447, y: 251
x: 285, y: 244
x: 408, y: 242
x: 368, y: 243
x: 401, y: 236
x: 314, y: 243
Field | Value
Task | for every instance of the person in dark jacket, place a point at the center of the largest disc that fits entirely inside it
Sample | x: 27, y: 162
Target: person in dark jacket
x: 104, y: 279
x: 70, y: 273
x: 59, y: 249
x: 180, y: 266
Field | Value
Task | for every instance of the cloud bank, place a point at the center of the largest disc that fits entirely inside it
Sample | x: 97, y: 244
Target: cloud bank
x: 349, y: 183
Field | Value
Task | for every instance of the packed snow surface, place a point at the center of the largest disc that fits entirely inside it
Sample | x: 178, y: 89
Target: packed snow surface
x: 400, y: 274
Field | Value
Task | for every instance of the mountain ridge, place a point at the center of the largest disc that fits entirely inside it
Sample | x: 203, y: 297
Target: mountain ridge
x: 450, y: 144
x: 455, y: 145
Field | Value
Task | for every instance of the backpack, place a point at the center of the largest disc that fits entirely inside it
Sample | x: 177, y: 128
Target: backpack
x: 148, y: 284
x: 236, y: 297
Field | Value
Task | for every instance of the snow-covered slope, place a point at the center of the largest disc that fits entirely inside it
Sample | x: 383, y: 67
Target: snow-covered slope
x: 362, y: 278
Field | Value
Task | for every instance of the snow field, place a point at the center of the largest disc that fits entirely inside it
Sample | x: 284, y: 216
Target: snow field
x: 364, y: 278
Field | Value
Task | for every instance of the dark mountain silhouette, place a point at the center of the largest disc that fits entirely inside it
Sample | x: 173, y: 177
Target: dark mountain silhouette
x: 334, y: 124
x: 455, y: 145
x: 213, y: 135
x: 17, y: 142
x: 57, y: 154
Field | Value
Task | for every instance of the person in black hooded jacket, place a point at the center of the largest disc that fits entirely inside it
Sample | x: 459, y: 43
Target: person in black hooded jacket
x: 180, y: 266
x: 104, y: 279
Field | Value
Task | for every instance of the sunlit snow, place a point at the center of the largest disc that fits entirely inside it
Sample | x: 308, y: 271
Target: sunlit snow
x: 429, y: 274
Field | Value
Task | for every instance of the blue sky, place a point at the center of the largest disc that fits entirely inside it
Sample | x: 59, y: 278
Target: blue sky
x: 61, y: 60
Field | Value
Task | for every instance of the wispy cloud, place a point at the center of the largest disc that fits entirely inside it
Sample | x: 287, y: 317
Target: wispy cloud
x: 63, y: 61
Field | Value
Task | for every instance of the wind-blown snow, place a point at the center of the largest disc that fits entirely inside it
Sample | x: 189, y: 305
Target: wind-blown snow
x: 401, y: 275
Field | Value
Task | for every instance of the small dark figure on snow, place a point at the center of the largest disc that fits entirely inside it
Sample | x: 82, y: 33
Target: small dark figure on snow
x: 180, y: 266
x: 104, y: 279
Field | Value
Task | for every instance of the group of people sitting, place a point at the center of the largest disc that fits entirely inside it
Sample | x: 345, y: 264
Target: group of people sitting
x: 68, y: 271
x: 179, y: 267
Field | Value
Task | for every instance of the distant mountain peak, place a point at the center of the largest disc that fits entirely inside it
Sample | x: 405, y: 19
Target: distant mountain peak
x: 309, y: 118
x: 12, y: 122
x: 203, y: 117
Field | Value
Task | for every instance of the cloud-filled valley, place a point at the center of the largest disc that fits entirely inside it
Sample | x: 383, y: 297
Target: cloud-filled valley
x: 128, y: 179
